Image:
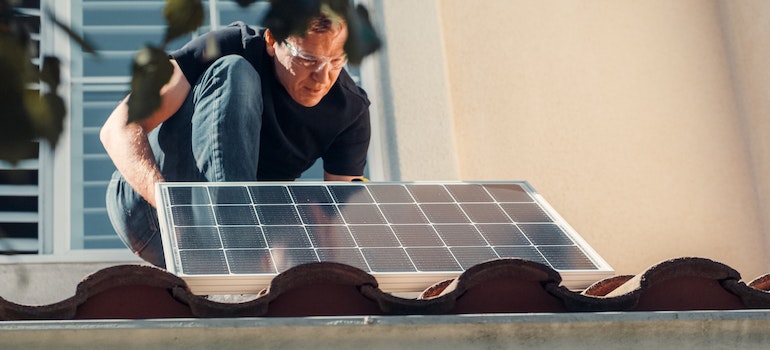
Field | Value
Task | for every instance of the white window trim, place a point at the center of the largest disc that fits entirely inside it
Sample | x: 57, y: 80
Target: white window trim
x: 371, y: 77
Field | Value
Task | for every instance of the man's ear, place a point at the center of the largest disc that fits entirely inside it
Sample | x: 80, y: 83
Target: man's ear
x: 269, y: 43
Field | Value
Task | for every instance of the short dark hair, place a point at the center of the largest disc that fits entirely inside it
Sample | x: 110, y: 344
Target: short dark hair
x: 325, y: 22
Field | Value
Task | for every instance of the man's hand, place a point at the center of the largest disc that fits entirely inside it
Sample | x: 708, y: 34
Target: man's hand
x: 347, y: 178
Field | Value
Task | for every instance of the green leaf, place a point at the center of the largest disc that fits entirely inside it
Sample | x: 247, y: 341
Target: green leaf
x: 182, y: 17
x: 50, y: 73
x: 6, y: 12
x: 16, y: 132
x: 17, y: 149
x: 339, y: 7
x: 290, y: 17
x: 87, y: 47
x: 245, y: 3
x: 55, y: 122
x: 362, y: 38
x: 151, y: 70
x: 212, y: 51
x: 46, y: 113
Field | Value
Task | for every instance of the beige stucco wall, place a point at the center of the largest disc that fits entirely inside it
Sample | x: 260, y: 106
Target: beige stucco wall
x: 747, y: 36
x: 626, y: 115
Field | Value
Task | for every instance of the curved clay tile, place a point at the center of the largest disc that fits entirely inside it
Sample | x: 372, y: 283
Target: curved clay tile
x: 124, y: 291
x: 435, y: 290
x: 10, y: 311
x: 497, y: 286
x: 320, y: 289
x: 752, y: 298
x: 130, y: 292
x: 603, y: 287
x: 593, y: 298
x: 681, y: 284
x: 204, y: 307
x: 502, y: 285
x: 761, y: 283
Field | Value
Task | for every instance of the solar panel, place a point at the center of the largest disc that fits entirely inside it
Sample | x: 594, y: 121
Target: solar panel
x: 235, y: 237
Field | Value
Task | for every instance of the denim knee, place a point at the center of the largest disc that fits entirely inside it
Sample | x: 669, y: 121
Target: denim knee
x: 135, y: 221
x: 227, y: 120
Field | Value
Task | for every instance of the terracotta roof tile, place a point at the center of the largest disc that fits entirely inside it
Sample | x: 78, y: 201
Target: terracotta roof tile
x: 331, y: 289
x: 681, y: 284
x: 126, y: 291
x: 504, y: 285
x: 761, y: 282
x: 321, y: 289
x: 602, y: 287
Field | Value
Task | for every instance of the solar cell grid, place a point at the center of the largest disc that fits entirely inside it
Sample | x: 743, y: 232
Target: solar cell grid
x: 444, y: 213
x: 388, y: 260
x: 235, y: 215
x: 286, y: 237
x: 469, y: 193
x: 330, y: 236
x: 567, y: 257
x: 270, y: 194
x: 248, y: 261
x: 285, y: 259
x: 319, y: 214
x: 469, y: 256
x: 460, y: 235
x: 188, y: 195
x: 503, y: 234
x: 374, y: 236
x: 202, y: 262
x: 508, y: 193
x: 382, y: 228
x: 545, y: 234
x: 403, y: 214
x: 433, y: 259
x: 351, y: 194
x: 390, y: 194
x: 417, y: 236
x: 198, y: 237
x: 430, y: 193
x: 362, y: 214
x: 523, y: 252
x: 242, y: 237
x: 310, y: 194
x: 352, y: 257
x: 484, y: 212
x: 278, y: 215
x: 525, y: 212
x: 229, y: 195
x: 193, y: 216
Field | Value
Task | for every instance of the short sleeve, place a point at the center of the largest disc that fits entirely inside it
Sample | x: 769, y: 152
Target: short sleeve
x: 192, y: 58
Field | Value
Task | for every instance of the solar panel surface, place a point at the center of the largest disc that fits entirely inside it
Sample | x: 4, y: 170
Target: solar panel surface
x: 405, y: 234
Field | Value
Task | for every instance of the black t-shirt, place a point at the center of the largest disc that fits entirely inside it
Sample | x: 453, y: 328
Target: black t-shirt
x: 293, y: 137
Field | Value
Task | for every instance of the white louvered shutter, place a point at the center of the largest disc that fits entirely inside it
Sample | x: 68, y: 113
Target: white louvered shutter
x: 19, y: 185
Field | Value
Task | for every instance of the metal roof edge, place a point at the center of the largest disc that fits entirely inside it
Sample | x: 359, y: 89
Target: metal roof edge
x: 630, y: 330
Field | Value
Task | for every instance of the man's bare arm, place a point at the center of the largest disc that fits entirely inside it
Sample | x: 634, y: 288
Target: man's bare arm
x: 127, y: 144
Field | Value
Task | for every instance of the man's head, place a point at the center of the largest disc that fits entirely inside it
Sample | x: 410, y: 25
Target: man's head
x: 308, y: 66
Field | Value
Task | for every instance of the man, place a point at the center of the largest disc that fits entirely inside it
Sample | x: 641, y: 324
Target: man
x: 265, y: 110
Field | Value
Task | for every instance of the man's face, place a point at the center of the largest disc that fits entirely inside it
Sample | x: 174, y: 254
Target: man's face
x: 308, y: 67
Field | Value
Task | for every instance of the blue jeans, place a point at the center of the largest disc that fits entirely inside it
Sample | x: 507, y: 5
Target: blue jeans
x: 214, y: 136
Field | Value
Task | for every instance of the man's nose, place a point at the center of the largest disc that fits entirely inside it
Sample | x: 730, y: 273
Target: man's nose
x: 323, y: 74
